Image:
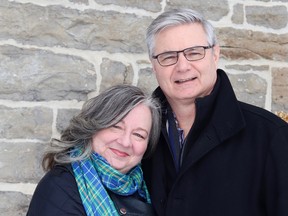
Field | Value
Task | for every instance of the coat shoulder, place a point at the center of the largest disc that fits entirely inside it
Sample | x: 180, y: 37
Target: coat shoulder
x: 260, y: 115
x: 56, y: 194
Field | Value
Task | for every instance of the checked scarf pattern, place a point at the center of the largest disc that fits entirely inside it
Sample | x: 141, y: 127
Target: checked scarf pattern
x: 94, y: 176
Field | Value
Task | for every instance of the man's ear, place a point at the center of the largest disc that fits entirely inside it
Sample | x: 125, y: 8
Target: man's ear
x: 153, y: 65
x: 216, y: 54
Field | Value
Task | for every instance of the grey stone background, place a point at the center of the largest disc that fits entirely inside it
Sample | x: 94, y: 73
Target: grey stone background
x: 56, y: 54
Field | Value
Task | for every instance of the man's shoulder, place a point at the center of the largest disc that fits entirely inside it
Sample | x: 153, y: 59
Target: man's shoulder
x: 258, y: 114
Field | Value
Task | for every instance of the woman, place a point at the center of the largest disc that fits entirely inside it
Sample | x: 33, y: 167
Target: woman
x: 94, y: 169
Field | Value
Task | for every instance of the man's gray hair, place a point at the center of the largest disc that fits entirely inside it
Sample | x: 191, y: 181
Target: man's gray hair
x: 176, y: 17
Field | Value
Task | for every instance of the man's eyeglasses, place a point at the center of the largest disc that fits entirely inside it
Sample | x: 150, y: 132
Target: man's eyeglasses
x: 191, y: 54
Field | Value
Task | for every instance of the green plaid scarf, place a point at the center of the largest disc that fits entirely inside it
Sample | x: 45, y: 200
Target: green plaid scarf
x: 94, y: 176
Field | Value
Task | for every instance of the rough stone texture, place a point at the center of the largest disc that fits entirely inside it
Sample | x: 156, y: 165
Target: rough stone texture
x: 35, y: 75
x: 52, y: 52
x: 13, y: 204
x: 114, y: 72
x: 238, y: 15
x: 26, y: 165
x: 80, y: 1
x: 63, y: 118
x: 280, y: 89
x: 247, y: 68
x: 150, y: 5
x: 147, y: 80
x: 211, y: 9
x: 247, y: 44
x: 59, y: 26
x: 25, y: 123
x: 249, y: 88
x: 275, y: 17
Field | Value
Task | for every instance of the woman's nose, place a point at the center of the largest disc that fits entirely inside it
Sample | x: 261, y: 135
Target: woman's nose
x: 124, y: 139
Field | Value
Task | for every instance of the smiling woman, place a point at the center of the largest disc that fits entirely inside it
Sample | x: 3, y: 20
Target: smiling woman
x: 96, y: 163
x: 124, y: 144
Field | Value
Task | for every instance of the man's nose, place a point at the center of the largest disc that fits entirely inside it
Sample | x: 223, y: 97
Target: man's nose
x: 182, y: 62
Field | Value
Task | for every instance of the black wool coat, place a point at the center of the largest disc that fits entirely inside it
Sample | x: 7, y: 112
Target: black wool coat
x: 57, y: 195
x: 235, y: 161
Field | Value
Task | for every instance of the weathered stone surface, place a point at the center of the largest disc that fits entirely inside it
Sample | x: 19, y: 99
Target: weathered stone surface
x: 14, y: 203
x: 280, y: 89
x: 238, y: 14
x: 147, y: 80
x: 46, y: 49
x: 211, y: 9
x: 247, y: 67
x: 25, y: 123
x: 114, y: 72
x: 60, y: 26
x: 150, y: 5
x: 246, y: 44
x: 80, y: 1
x: 35, y: 75
x: 63, y: 118
x: 249, y: 88
x: 21, y: 162
x: 275, y: 17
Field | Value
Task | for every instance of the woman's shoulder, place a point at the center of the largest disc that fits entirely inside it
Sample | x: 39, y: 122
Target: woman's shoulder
x: 59, y: 177
x: 57, y: 192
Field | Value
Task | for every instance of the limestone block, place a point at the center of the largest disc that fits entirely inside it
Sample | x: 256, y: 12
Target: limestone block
x: 238, y: 44
x: 249, y: 88
x: 238, y: 14
x: 275, y: 17
x: 280, y: 89
x: 37, y: 75
x: 71, y: 28
x: 21, y: 162
x: 114, y: 72
x: 211, y: 9
x: 63, y: 118
x: 25, y: 123
x: 150, y: 5
x: 13, y: 203
x: 147, y: 80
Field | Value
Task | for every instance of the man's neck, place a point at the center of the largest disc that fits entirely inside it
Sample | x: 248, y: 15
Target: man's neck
x: 185, y: 114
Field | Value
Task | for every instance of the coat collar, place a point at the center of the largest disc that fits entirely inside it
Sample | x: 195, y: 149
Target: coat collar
x: 218, y: 118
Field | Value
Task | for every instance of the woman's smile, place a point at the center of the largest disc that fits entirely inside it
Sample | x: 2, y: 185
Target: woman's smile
x: 119, y: 153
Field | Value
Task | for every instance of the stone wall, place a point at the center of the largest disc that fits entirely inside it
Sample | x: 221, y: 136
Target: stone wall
x: 56, y: 54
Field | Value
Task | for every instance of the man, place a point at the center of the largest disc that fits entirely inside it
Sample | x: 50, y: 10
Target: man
x: 216, y: 156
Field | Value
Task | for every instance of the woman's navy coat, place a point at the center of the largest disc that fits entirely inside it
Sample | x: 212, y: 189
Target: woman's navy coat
x: 235, y: 161
x: 57, y: 195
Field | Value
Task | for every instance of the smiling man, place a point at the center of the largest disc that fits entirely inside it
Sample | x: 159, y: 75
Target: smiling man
x: 216, y: 155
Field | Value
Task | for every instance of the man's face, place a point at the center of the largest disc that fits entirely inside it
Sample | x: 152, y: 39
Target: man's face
x: 186, y: 80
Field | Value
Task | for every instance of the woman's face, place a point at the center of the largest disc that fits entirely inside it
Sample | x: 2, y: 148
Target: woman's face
x: 124, y: 144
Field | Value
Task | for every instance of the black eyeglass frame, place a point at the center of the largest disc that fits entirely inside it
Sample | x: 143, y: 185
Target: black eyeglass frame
x: 204, y: 47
